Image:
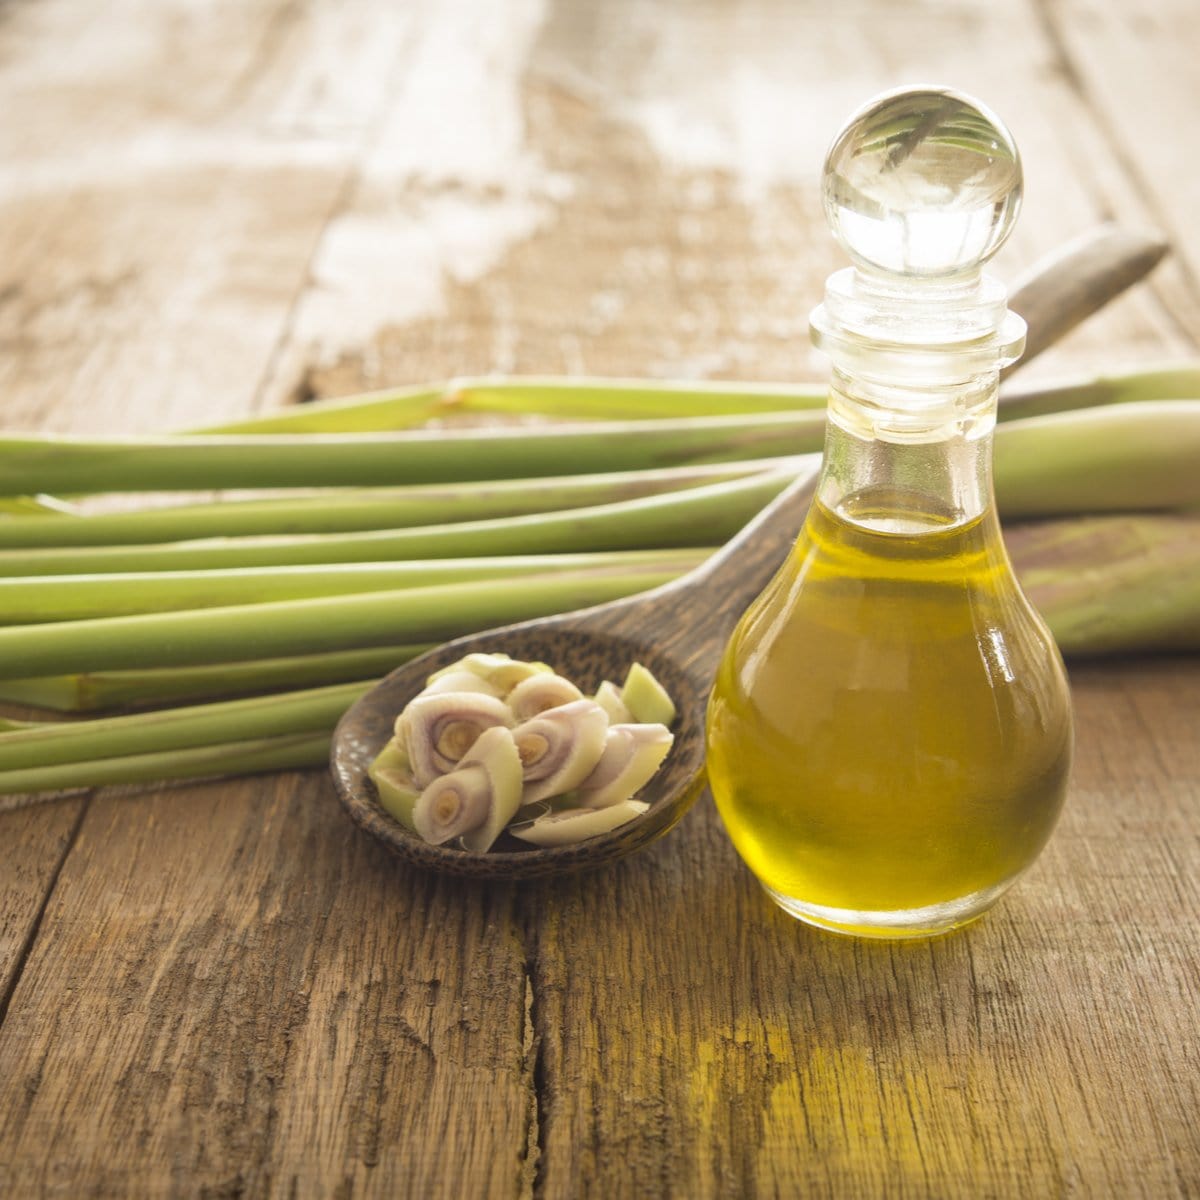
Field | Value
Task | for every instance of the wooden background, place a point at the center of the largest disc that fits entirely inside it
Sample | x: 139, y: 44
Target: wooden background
x: 210, y: 209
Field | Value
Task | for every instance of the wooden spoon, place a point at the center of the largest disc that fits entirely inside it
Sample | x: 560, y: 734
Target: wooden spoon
x: 678, y: 631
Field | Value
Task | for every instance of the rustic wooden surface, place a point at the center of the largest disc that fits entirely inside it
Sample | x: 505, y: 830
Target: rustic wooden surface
x: 210, y: 209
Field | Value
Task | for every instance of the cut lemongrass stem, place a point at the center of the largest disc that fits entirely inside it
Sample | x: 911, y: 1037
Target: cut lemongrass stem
x: 342, y: 510
x: 293, y: 627
x: 1178, y: 381
x: 313, y: 710
x: 36, y: 599
x: 1137, y: 456
x: 367, y: 412
x: 72, y: 465
x: 104, y: 691
x: 694, y: 517
x: 16, y: 508
x: 548, y: 396
x: 182, y: 462
x: 1113, y: 584
x: 289, y: 752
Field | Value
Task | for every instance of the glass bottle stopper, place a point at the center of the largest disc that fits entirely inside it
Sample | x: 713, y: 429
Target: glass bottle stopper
x: 921, y: 188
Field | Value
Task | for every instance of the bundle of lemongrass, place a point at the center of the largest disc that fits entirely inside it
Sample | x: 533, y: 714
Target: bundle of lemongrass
x: 420, y: 534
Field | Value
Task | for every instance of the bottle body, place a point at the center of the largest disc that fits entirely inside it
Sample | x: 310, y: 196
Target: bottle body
x: 889, y: 734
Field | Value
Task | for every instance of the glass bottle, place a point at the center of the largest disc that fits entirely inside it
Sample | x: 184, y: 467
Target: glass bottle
x: 889, y: 734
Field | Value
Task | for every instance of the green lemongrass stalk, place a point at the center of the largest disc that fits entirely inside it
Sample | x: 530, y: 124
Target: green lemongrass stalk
x: 548, y: 396
x: 310, y: 711
x: 1180, y: 381
x: 78, y: 465
x: 289, y: 752
x: 24, y: 507
x: 629, y: 399
x: 293, y: 627
x: 36, y: 599
x: 367, y: 412
x: 104, y: 691
x: 1113, y: 584
x: 320, y: 460
x: 1137, y: 456
x: 341, y: 511
x: 695, y: 516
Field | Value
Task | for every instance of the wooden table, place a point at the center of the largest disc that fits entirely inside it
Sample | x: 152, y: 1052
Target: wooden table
x: 226, y: 990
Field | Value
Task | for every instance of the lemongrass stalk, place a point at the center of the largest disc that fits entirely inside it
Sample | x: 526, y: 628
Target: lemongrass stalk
x: 290, y: 627
x: 1179, y: 381
x: 1137, y: 456
x: 290, y: 752
x: 343, y: 511
x: 367, y: 412
x: 104, y: 691
x: 37, y: 599
x: 550, y: 396
x: 693, y: 517
x: 25, y: 507
x: 628, y: 399
x: 1113, y: 584
x: 308, y: 711
x: 79, y: 465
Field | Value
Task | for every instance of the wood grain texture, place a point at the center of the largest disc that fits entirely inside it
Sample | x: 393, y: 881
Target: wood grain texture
x: 227, y: 990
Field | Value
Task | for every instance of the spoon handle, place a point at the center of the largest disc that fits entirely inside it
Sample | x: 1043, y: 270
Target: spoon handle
x: 1078, y: 280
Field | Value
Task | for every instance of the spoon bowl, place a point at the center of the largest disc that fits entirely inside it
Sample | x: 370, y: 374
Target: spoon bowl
x: 678, y: 631
x: 584, y: 656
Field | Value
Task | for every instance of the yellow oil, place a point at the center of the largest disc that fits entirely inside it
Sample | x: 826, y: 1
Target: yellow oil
x: 889, y: 735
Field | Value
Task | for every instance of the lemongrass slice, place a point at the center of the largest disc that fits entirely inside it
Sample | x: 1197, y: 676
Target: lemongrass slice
x: 496, y: 753
x: 632, y: 753
x: 398, y: 795
x: 560, y: 747
x: 646, y: 698
x: 439, y: 729
x: 576, y: 824
x: 540, y: 692
x: 453, y: 805
x: 498, y: 670
x: 393, y: 757
x: 460, y: 681
x: 608, y: 696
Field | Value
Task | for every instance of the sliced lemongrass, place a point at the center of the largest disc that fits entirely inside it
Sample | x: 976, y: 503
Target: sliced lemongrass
x: 573, y: 825
x: 496, y: 752
x: 560, y: 748
x: 460, y: 681
x: 452, y: 805
x: 608, y: 696
x: 398, y: 795
x: 499, y: 671
x: 439, y: 729
x: 632, y: 754
x: 540, y: 692
x: 645, y: 698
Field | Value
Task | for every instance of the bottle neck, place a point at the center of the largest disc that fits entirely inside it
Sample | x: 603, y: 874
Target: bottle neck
x: 909, y: 460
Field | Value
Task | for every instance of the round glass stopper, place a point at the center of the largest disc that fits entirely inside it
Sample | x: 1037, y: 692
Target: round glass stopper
x: 922, y: 183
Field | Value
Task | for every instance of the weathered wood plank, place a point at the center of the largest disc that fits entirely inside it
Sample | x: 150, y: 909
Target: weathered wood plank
x: 33, y: 844
x: 236, y: 993
x: 167, y: 172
